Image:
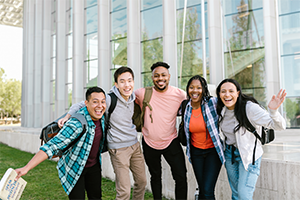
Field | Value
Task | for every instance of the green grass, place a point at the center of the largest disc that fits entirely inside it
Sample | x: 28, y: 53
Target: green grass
x: 43, y: 181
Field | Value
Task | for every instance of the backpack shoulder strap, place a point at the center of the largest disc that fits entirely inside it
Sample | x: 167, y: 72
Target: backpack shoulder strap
x: 147, y: 98
x: 251, y: 128
x: 111, y: 108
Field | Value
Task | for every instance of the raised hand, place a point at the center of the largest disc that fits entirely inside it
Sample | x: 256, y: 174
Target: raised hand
x: 277, y: 100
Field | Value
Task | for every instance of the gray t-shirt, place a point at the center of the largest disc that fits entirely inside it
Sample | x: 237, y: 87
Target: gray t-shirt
x: 227, y: 127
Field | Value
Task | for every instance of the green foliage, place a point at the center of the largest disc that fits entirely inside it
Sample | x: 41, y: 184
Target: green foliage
x: 43, y: 181
x: 10, y: 95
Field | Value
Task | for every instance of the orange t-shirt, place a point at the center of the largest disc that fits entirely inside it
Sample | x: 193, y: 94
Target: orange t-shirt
x: 200, y: 137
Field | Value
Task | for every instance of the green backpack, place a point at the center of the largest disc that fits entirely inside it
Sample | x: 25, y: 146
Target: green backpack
x: 138, y: 115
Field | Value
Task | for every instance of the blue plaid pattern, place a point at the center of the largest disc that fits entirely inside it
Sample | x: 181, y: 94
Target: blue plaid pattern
x: 71, y: 164
x: 210, y: 116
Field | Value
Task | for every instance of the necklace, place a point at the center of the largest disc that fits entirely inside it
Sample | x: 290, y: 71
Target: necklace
x: 197, y: 115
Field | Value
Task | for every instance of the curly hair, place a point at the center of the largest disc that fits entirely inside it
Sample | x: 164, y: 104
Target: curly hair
x: 205, y: 92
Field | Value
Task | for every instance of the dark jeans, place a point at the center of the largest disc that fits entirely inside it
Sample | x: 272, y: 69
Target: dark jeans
x: 175, y: 158
x: 207, y: 165
x: 90, y: 180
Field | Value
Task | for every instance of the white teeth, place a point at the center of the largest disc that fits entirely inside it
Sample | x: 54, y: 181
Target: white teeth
x: 195, y: 95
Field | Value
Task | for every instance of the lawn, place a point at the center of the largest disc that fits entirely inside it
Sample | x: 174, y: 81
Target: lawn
x: 43, y: 181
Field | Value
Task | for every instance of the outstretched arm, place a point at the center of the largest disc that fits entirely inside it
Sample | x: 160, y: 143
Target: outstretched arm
x: 37, y: 159
x: 74, y: 108
x: 277, y: 100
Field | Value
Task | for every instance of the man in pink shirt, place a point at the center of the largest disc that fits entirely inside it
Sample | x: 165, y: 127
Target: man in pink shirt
x: 160, y: 135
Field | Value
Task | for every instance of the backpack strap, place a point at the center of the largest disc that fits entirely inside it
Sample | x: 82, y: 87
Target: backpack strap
x: 111, y: 108
x: 147, y: 97
x: 83, y: 122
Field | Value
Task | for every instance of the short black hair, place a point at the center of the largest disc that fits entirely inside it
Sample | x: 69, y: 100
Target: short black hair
x: 122, y: 70
x: 160, y: 64
x: 92, y: 90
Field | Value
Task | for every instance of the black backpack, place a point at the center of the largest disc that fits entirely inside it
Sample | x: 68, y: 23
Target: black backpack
x: 267, y: 135
x: 181, y: 134
x: 52, y: 129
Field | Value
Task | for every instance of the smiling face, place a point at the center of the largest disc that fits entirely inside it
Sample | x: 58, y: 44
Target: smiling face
x: 195, y: 92
x: 125, y: 85
x: 96, y: 105
x: 229, y: 95
x: 160, y: 78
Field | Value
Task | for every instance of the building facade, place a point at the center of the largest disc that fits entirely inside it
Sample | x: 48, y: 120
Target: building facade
x: 70, y: 45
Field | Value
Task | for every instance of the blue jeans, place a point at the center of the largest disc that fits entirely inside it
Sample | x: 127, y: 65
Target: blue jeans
x: 242, y: 182
x: 207, y: 165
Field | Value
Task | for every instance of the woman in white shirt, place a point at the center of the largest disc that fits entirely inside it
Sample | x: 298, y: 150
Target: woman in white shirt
x: 242, y: 158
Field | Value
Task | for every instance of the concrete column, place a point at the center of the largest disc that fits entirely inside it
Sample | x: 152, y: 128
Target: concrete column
x: 271, y: 48
x: 46, y: 63
x: 169, y: 39
x: 104, y: 55
x: 24, y: 66
x: 78, y: 52
x: 61, y: 67
x: 29, y: 64
x: 133, y: 40
x: 37, y: 101
x: 216, y: 66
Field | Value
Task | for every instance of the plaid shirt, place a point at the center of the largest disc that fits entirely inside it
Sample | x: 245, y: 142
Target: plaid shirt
x: 210, y: 116
x: 71, y: 164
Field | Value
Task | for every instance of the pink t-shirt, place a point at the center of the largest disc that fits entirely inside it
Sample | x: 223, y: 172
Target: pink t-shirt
x: 162, y: 131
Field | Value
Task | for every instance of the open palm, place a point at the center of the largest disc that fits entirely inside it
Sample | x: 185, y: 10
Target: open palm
x: 277, y: 100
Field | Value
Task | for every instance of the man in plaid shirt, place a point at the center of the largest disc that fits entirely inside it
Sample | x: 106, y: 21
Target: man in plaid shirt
x: 79, y: 168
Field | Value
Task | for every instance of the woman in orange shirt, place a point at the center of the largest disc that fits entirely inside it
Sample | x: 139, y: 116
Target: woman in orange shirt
x: 204, y: 147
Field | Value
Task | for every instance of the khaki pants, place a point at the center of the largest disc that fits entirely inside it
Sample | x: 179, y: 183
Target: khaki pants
x: 122, y: 160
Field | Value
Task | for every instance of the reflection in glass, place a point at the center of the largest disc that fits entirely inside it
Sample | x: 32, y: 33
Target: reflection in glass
x: 69, y: 97
x: 119, y: 24
x: 245, y: 31
x: 92, y: 73
x: 180, y: 3
x: 289, y: 34
x: 92, y: 46
x: 291, y: 74
x: 152, y: 23
x: 290, y: 6
x: 91, y: 19
x: 147, y: 4
x: 119, y: 52
x: 292, y: 109
x: 152, y: 51
x: 118, y: 4
x: 237, y: 6
x: 90, y: 2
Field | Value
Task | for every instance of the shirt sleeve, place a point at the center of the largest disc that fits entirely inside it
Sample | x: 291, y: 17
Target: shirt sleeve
x: 76, y: 107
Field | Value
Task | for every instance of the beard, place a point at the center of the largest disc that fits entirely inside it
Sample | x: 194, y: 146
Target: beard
x: 161, y: 89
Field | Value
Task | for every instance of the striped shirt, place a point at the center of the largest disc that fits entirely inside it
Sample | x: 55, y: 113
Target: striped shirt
x: 71, y: 164
x: 210, y: 117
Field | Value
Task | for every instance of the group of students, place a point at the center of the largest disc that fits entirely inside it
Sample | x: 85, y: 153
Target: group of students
x: 206, y: 119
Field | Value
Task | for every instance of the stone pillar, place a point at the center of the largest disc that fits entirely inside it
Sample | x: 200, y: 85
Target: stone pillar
x: 61, y: 67
x: 104, y: 55
x: 37, y: 101
x: 216, y: 62
x: 78, y: 52
x: 169, y: 39
x: 271, y: 48
x: 46, y: 63
x: 133, y: 40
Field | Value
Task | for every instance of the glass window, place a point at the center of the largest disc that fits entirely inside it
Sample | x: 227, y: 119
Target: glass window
x: 92, y: 19
x: 70, y: 46
x: 118, y: 5
x: 70, y: 67
x: 53, y: 45
x: 180, y: 3
x: 147, y: 4
x: 292, y: 109
x: 152, y: 23
x: 289, y: 34
x: 237, y: 6
x: 92, y: 46
x: 290, y: 6
x: 90, y: 2
x: 291, y: 74
x: 69, y: 97
x: 92, y: 73
x: 119, y: 24
x: 119, y: 53
x: 245, y: 30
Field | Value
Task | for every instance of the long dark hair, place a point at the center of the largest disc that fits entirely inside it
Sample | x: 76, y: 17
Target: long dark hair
x: 205, y: 93
x: 240, y: 106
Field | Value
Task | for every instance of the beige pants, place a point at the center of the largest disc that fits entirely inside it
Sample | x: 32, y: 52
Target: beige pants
x: 122, y: 160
